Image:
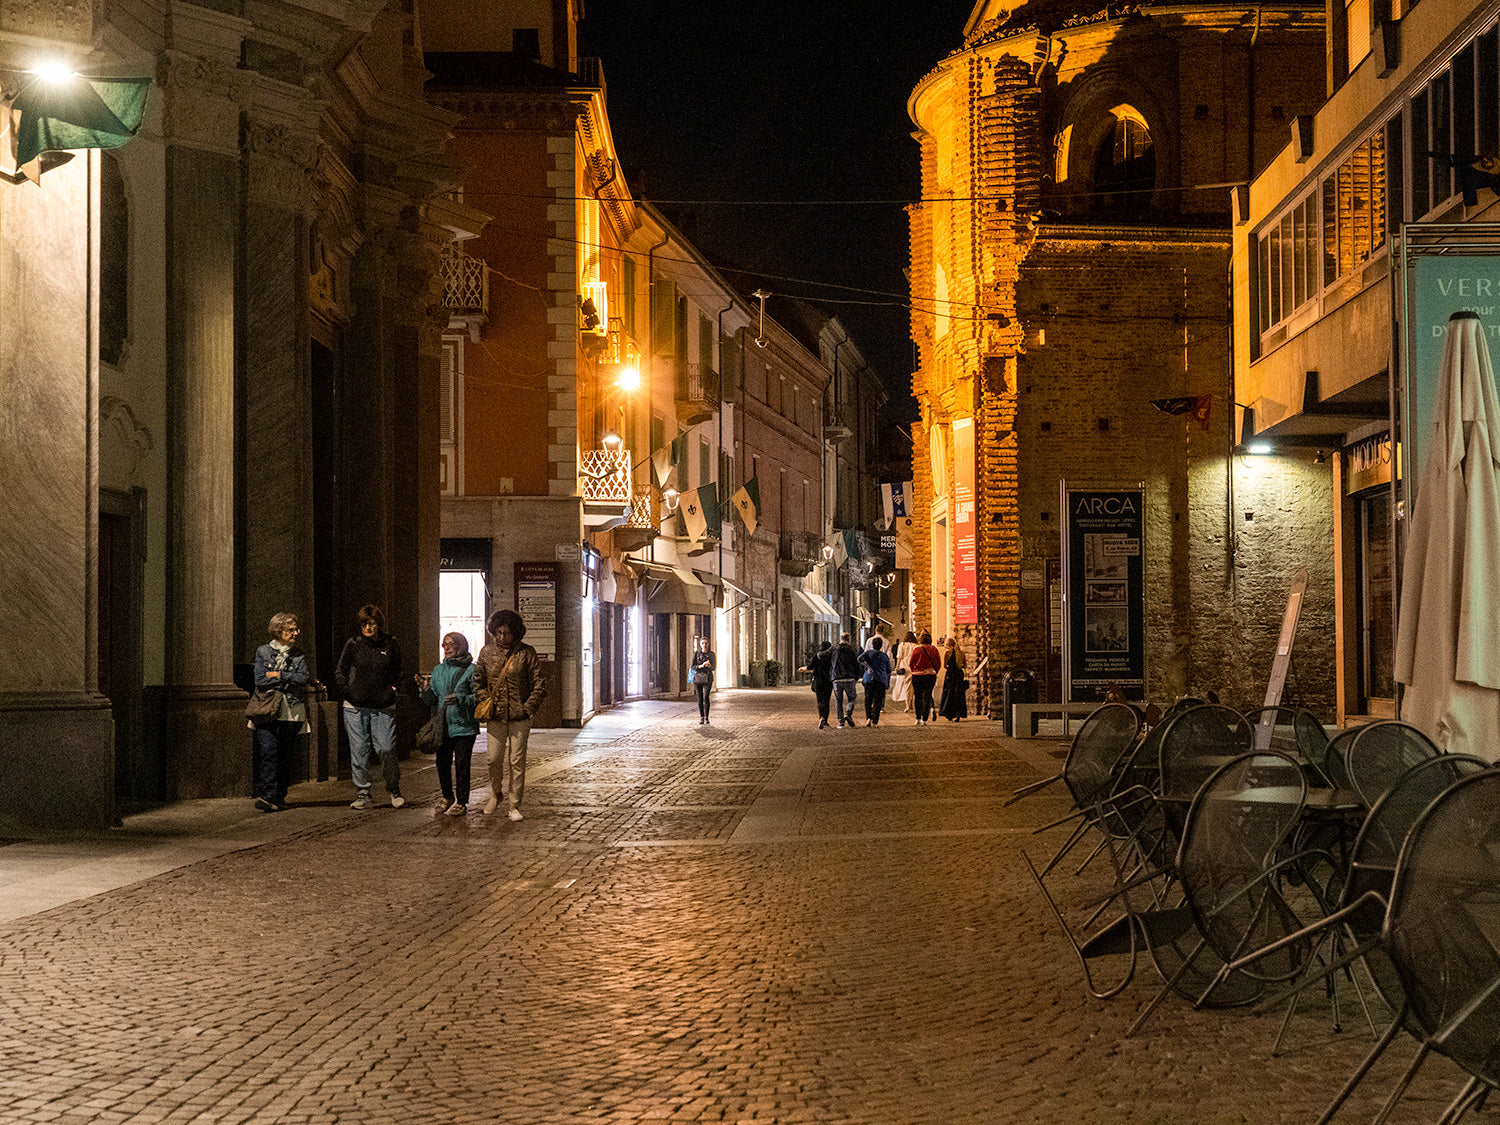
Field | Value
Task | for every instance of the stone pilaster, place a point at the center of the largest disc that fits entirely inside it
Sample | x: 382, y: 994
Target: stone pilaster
x: 202, y: 720
x: 56, y: 734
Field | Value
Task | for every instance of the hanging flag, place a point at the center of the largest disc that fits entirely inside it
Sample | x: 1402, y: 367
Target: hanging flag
x: 840, y: 550
x: 905, y: 539
x: 692, y: 516
x: 1198, y: 406
x: 679, y: 448
x: 57, y: 114
x: 893, y: 500
x: 708, y: 503
x: 747, y: 504
x: 851, y: 544
x: 1201, y: 407
x: 661, y: 465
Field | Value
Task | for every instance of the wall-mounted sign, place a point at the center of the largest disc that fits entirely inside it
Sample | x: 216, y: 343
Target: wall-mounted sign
x: 536, y: 602
x: 965, y: 557
x: 1104, y: 592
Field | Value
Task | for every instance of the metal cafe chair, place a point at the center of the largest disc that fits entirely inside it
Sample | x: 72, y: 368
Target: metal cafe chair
x: 1094, y: 742
x: 1198, y: 741
x: 1294, y: 731
x: 1335, y: 758
x: 1232, y: 868
x: 1355, y: 925
x: 1442, y: 932
x: 1380, y: 753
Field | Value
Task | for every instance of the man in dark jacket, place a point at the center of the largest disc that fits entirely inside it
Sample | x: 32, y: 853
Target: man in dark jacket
x: 846, y: 673
x: 821, y: 667
x: 368, y: 671
x: 877, y: 667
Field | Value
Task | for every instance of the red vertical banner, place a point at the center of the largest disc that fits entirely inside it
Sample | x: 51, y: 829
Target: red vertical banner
x: 965, y: 570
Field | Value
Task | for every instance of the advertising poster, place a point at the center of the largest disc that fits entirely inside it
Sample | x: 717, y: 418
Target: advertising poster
x: 536, y: 602
x: 1440, y: 285
x: 1104, y: 592
x: 965, y: 569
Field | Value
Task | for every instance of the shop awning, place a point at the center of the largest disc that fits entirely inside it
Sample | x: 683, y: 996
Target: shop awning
x: 671, y: 589
x: 811, y: 607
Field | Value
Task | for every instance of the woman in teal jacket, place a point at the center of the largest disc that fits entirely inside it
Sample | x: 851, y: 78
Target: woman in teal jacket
x: 451, y: 685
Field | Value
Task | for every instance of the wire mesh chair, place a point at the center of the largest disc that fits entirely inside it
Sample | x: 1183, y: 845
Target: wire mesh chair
x: 1355, y: 926
x: 1293, y: 731
x: 1442, y: 931
x: 1231, y: 866
x: 1198, y: 741
x: 1335, y: 758
x: 1107, y: 729
x: 1380, y: 753
x: 1090, y: 770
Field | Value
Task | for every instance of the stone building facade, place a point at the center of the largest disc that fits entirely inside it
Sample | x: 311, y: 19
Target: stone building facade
x: 230, y: 331
x: 1069, y: 263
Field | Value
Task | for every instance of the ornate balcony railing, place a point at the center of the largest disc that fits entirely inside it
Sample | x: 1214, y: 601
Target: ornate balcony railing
x: 466, y: 291
x: 604, y: 475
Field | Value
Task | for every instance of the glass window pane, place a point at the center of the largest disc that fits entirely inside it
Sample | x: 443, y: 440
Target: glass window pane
x: 1440, y: 105
x: 1299, y: 257
x: 1421, y: 165
x: 1330, y: 230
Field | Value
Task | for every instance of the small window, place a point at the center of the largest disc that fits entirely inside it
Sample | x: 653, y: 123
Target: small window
x: 1125, y: 163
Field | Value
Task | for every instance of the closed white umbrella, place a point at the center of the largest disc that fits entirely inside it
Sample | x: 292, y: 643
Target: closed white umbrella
x: 1448, y: 630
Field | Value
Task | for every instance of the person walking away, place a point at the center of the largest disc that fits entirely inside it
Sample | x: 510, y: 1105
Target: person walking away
x: 509, y: 672
x: 846, y: 673
x: 900, y: 689
x: 701, y: 672
x: 877, y: 666
x: 451, y: 687
x: 821, y: 668
x: 279, y: 667
x: 924, y: 664
x: 955, y: 701
x: 368, y: 672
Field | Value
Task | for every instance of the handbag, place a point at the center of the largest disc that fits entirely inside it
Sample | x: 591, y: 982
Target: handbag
x: 264, y: 707
x: 434, y: 732
x: 484, y: 707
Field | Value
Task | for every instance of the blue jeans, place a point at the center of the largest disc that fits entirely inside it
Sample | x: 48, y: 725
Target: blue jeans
x: 369, y: 728
x: 842, y: 688
x: 275, y: 746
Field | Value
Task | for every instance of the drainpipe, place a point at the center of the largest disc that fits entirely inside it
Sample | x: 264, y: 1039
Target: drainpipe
x: 730, y: 483
x: 651, y: 354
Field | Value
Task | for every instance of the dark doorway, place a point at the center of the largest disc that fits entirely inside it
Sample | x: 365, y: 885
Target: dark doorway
x: 139, y: 775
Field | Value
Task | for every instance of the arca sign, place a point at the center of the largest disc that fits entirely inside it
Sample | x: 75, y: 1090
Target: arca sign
x: 1105, y: 505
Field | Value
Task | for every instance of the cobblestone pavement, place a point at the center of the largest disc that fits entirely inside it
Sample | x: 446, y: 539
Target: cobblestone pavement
x: 752, y: 921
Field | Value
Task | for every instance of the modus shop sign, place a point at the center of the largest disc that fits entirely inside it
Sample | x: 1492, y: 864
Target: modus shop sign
x: 1104, y: 592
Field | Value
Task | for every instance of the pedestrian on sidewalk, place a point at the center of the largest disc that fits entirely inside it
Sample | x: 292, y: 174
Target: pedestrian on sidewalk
x: 821, y: 669
x: 510, y: 675
x: 846, y: 673
x: 367, y: 676
x: 451, y: 687
x: 924, y: 664
x: 877, y: 666
x: 955, y: 701
x: 701, y: 672
x: 900, y: 689
x: 279, y: 667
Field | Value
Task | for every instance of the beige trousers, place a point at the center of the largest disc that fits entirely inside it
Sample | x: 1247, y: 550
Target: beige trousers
x: 506, y: 759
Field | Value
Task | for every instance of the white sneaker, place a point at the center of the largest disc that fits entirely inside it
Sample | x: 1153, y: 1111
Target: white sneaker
x: 491, y: 805
x: 457, y: 810
x: 515, y: 814
x: 360, y: 802
x: 397, y: 800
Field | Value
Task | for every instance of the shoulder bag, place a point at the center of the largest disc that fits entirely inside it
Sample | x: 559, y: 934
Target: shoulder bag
x: 264, y: 707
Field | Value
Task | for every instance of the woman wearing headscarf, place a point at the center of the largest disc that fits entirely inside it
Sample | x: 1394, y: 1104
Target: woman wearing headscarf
x: 451, y: 686
x: 509, y: 673
x: 955, y: 702
x: 279, y: 667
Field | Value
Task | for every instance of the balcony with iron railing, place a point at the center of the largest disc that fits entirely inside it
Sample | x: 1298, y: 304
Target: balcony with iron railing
x: 800, y: 552
x: 466, y: 292
x: 697, y: 394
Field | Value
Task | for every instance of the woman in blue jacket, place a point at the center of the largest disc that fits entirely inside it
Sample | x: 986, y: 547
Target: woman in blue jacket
x: 279, y: 667
x: 451, y: 686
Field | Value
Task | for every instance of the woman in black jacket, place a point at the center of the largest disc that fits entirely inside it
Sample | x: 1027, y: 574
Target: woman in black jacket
x: 368, y: 672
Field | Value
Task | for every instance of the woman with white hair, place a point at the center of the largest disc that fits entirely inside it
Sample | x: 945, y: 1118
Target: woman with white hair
x: 280, y: 667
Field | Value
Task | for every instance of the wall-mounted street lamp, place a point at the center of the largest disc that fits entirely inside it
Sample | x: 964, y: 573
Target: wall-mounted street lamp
x: 611, y: 441
x: 887, y: 581
x: 827, y: 554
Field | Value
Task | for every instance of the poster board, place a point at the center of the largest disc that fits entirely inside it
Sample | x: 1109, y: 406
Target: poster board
x: 536, y: 602
x: 1104, y: 591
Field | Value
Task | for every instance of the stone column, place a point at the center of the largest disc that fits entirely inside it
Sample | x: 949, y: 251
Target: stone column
x: 56, y: 734
x: 207, y: 745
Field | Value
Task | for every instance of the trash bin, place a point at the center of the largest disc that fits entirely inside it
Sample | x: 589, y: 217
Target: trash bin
x: 1018, y: 686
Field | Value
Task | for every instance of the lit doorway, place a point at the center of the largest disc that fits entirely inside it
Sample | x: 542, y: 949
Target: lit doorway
x: 463, y: 598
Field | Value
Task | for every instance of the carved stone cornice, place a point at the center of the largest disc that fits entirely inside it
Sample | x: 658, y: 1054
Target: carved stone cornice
x: 66, y: 21
x: 279, y: 161
x: 201, y: 100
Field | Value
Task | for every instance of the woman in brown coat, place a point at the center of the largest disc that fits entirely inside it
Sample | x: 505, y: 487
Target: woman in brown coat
x: 509, y: 675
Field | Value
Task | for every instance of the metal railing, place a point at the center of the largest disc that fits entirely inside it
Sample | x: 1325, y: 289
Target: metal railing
x: 604, y: 475
x: 466, y: 285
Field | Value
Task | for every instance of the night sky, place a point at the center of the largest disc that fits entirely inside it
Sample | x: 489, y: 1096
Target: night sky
x: 775, y: 134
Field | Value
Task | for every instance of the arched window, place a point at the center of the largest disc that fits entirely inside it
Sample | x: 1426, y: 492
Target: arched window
x: 1125, y: 162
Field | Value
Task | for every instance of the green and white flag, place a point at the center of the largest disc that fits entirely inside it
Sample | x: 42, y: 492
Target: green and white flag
x: 747, y: 504
x: 50, y: 114
x: 708, y: 502
x: 692, y: 516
